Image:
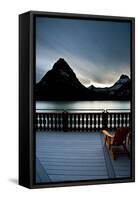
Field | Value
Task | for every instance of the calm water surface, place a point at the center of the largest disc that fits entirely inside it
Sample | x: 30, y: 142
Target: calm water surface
x: 82, y: 105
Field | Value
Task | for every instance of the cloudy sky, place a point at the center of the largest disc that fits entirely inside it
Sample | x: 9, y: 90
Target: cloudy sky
x: 97, y: 51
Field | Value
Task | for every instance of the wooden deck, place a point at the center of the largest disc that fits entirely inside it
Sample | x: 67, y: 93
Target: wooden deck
x: 70, y: 156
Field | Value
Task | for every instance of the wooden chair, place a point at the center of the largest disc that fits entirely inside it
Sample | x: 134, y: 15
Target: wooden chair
x: 119, y: 138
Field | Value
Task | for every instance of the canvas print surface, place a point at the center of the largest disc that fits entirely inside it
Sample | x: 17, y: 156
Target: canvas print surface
x: 82, y: 99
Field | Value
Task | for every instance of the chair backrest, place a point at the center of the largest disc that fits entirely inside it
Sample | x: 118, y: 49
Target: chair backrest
x: 121, y: 135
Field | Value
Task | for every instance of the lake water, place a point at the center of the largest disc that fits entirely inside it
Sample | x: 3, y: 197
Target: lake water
x: 66, y: 105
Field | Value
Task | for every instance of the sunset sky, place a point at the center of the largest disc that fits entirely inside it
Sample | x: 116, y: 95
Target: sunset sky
x: 97, y: 51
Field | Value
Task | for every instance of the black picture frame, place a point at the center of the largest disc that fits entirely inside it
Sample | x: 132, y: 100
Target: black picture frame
x: 27, y: 98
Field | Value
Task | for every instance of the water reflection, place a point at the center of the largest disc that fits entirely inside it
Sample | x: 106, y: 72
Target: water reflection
x: 66, y: 105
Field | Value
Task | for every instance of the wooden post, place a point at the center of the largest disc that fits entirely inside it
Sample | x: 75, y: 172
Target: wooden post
x: 105, y: 119
x: 36, y: 121
x: 44, y: 121
x: 65, y: 121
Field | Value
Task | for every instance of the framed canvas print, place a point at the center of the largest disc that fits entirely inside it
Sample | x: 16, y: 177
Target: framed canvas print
x: 76, y: 99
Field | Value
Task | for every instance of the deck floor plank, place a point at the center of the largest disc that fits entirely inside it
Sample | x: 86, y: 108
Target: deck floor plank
x: 69, y: 156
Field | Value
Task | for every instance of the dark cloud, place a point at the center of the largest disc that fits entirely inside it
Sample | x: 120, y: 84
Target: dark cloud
x: 98, y: 51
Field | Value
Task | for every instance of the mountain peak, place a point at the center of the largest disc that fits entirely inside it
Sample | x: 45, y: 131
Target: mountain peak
x: 123, y: 76
x: 61, y: 63
x: 62, y: 66
x: 123, y: 79
x: 91, y: 87
x: 61, y: 83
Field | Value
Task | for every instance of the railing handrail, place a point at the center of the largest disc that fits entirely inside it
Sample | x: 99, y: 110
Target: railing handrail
x: 81, y: 121
x: 84, y: 110
x: 70, y: 110
x: 116, y: 110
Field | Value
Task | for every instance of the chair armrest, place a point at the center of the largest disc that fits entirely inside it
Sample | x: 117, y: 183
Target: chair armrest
x: 106, y: 133
x: 129, y: 137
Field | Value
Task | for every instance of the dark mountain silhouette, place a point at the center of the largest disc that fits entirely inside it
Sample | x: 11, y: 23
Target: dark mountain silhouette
x: 61, y: 83
x: 121, y: 90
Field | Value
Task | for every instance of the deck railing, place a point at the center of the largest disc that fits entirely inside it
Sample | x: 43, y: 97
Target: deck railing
x: 81, y: 120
